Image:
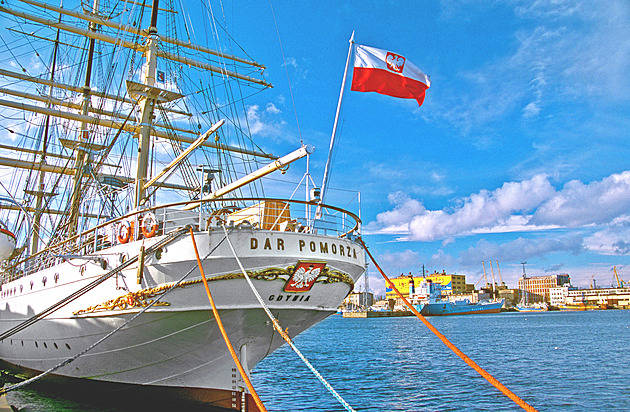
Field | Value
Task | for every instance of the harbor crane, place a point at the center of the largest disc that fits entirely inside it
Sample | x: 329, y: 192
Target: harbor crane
x: 619, y: 281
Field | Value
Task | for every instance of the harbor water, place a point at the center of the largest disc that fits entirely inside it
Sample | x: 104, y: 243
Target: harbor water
x: 555, y: 361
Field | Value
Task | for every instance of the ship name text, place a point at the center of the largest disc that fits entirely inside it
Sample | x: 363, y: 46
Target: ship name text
x: 312, y: 246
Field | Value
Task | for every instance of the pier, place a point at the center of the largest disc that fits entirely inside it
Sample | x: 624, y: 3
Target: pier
x: 377, y: 314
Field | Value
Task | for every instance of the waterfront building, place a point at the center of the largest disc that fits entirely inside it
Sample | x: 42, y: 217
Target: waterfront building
x: 536, y: 288
x: 451, y: 284
x: 357, y: 300
x: 558, y: 295
x: 604, y: 298
x: 474, y: 296
x: 511, y: 296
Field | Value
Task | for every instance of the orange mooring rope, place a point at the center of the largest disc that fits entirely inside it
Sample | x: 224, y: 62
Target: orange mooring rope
x: 448, y: 343
x: 225, y: 336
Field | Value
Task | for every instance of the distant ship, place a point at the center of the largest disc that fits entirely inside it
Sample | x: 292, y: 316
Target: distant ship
x: 579, y: 306
x: 430, y: 303
x: 524, y: 305
x: 532, y: 307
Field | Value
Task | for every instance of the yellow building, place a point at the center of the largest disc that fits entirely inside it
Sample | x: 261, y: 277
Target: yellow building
x: 451, y: 284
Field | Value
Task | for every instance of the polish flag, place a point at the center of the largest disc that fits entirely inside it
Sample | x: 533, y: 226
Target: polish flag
x: 388, y: 73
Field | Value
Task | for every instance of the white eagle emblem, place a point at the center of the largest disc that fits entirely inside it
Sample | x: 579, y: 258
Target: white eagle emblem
x: 303, y: 277
x: 395, y: 62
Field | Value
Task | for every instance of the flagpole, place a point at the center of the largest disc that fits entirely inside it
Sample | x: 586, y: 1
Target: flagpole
x: 334, y: 131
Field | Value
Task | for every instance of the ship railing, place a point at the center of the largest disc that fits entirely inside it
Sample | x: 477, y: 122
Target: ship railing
x: 283, y: 215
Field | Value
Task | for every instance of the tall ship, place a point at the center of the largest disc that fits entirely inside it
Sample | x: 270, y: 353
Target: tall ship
x: 429, y: 302
x: 524, y: 305
x: 128, y: 139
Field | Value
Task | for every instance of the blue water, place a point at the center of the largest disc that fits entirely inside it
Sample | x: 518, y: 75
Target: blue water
x: 555, y: 361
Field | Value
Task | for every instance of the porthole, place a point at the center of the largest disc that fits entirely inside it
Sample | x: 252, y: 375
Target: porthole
x: 46, y: 346
x: 56, y: 347
x: 36, y: 345
x: 68, y: 346
x: 44, y: 279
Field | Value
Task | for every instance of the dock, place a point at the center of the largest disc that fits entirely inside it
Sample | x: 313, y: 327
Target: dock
x: 4, y: 405
x: 374, y: 314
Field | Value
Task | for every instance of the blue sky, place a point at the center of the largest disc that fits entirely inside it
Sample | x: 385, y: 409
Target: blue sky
x: 519, y: 153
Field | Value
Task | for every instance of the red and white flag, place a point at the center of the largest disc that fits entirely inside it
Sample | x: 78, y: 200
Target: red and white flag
x: 388, y: 73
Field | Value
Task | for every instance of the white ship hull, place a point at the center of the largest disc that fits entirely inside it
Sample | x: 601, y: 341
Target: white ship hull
x: 177, y: 345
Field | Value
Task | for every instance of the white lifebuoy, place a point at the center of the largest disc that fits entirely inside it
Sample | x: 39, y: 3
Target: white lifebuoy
x: 7, y: 242
x: 149, y: 225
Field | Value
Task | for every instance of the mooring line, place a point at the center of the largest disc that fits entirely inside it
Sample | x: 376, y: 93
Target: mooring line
x: 495, y: 382
x: 252, y: 391
x: 285, y: 336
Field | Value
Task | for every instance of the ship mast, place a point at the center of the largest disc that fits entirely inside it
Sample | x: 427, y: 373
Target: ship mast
x: 82, y: 157
x: 40, y: 192
x: 147, y: 105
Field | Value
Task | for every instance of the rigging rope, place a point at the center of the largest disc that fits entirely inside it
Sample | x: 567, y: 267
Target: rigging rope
x: 252, y: 391
x: 450, y: 345
x: 34, y: 319
x: 285, y: 336
x: 127, y: 322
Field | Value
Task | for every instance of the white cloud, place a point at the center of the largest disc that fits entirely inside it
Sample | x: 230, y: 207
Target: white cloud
x: 482, y: 210
x: 406, y: 258
x: 577, y: 204
x: 265, y: 123
x: 272, y: 109
x: 396, y: 221
x: 529, y: 205
x: 613, y: 239
x: 521, y: 248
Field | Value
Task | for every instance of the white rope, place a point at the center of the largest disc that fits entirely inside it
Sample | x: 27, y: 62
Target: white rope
x: 278, y: 327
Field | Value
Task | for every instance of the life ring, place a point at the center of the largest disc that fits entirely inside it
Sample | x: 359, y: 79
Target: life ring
x: 149, y: 225
x: 125, y: 228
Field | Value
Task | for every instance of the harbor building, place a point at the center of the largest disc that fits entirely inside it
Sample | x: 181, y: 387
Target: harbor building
x: 358, y: 300
x: 572, y: 297
x: 511, y: 296
x: 558, y: 295
x: 536, y: 288
x: 451, y: 284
